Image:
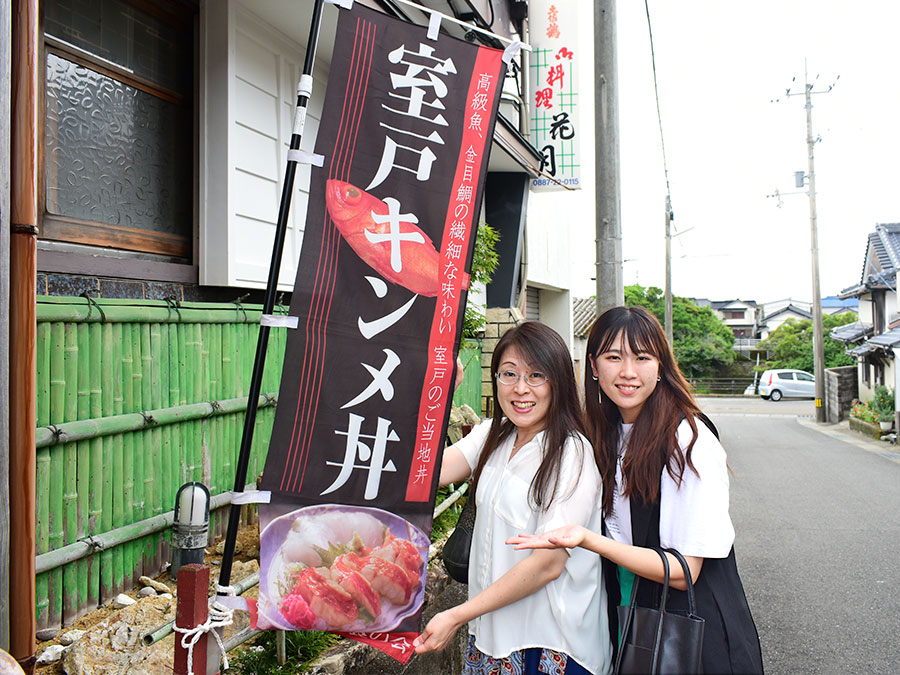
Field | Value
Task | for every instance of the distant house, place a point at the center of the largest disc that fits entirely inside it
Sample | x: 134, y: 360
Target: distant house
x: 875, y: 339
x: 773, y: 320
x: 836, y: 305
x: 741, y: 316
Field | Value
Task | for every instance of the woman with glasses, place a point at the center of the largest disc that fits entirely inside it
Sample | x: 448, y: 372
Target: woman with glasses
x: 532, y: 469
x: 665, y: 483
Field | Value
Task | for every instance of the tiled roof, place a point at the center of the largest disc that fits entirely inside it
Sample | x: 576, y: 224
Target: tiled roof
x: 861, y: 350
x: 851, y: 332
x: 790, y: 308
x: 584, y: 311
x: 889, y: 338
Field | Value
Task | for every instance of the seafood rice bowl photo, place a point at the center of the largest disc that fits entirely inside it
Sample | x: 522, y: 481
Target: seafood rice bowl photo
x: 341, y: 568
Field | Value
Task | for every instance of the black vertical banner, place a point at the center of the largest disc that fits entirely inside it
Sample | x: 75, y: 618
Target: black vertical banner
x: 380, y: 293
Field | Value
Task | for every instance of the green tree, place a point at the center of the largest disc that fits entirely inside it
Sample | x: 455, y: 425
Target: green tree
x: 484, y: 262
x: 791, y: 344
x: 703, y: 344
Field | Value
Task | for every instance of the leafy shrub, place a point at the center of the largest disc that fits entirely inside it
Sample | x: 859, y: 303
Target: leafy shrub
x: 883, y: 403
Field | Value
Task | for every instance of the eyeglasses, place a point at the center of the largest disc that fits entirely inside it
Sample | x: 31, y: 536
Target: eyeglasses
x: 511, y: 378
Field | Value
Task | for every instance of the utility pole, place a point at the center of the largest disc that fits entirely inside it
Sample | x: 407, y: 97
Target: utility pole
x: 818, y: 335
x: 668, y: 316
x: 610, y: 289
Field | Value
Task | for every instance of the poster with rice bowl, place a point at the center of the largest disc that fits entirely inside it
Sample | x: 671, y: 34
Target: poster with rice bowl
x: 341, y: 568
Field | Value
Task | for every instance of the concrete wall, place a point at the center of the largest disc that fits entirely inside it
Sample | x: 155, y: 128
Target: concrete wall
x: 841, y: 387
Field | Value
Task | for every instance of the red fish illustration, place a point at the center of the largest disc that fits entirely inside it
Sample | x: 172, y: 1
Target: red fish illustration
x: 406, y: 257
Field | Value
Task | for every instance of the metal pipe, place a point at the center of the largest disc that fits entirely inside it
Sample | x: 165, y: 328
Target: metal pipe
x: 22, y: 326
x: 101, y: 542
x: 80, y: 430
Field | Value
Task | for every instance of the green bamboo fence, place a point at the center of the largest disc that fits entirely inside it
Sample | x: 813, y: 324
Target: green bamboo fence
x: 134, y: 398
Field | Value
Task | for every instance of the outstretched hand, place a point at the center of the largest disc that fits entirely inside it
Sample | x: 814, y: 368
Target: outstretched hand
x: 437, y: 634
x: 568, y: 536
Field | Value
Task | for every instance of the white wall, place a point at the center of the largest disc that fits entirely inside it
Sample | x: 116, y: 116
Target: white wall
x: 249, y: 72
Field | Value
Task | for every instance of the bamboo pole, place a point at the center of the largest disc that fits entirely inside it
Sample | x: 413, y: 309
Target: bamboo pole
x: 118, y: 537
x: 57, y: 469
x: 118, y: 469
x: 137, y: 504
x: 164, y: 434
x: 98, y: 467
x: 70, y: 496
x: 140, y: 314
x: 157, y: 486
x: 42, y: 473
x: 83, y: 478
x: 129, y: 555
x: 108, y: 568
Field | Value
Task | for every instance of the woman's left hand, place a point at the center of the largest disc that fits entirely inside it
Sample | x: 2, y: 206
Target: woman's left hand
x: 438, y: 633
x: 568, y: 536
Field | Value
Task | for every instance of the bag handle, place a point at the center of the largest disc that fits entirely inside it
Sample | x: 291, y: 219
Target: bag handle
x: 687, y: 577
x: 629, y: 618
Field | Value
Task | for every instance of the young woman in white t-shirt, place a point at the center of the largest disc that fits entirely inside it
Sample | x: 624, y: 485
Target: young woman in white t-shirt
x: 532, y: 469
x: 665, y: 483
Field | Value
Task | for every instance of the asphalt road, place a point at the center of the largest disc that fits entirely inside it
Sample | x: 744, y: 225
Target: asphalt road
x: 817, y: 514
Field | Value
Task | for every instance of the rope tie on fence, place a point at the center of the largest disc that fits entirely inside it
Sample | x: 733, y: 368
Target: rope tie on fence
x: 91, y: 304
x: 149, y: 420
x: 219, y: 617
x: 172, y: 302
x: 269, y: 399
x: 95, y: 544
x: 57, y: 432
x: 240, y: 306
x: 216, y: 408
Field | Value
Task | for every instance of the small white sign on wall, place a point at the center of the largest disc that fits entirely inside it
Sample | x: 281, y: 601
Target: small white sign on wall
x: 553, y: 83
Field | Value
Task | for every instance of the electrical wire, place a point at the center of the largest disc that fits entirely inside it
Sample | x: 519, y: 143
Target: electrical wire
x: 656, y: 94
x: 662, y: 140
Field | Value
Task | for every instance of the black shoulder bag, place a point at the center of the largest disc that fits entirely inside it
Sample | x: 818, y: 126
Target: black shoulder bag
x: 459, y: 543
x: 660, y: 640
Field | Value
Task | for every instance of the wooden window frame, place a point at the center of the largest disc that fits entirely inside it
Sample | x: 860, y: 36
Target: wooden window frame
x: 95, y: 233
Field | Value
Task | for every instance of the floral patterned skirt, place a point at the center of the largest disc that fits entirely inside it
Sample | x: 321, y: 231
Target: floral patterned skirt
x: 522, y: 662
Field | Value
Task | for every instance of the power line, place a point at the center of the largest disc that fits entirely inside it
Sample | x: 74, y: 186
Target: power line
x: 656, y: 94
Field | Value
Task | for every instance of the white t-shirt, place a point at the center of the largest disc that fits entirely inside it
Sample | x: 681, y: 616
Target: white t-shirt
x: 569, y: 613
x: 693, y: 518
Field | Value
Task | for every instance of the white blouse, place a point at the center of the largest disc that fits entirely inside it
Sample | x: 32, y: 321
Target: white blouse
x: 693, y: 518
x: 569, y: 614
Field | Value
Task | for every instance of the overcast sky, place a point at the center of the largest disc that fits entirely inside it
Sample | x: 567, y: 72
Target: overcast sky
x: 719, y: 65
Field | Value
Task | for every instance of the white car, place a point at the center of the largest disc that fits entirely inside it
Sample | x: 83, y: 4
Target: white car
x: 777, y: 384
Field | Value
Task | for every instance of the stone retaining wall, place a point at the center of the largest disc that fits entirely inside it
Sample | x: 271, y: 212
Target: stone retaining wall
x: 841, y: 388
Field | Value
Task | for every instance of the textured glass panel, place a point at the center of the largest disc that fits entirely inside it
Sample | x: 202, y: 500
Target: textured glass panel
x: 115, y: 154
x: 123, y: 35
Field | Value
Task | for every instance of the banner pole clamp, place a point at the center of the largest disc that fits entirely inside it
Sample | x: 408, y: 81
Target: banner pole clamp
x: 434, y: 25
x: 303, y: 157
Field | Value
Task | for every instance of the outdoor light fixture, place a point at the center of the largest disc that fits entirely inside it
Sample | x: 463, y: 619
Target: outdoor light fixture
x: 190, y: 531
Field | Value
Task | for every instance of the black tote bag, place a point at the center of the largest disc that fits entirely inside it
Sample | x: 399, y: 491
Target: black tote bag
x: 661, y: 641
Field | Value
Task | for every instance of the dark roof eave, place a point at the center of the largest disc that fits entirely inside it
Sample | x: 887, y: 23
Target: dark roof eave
x: 514, y: 143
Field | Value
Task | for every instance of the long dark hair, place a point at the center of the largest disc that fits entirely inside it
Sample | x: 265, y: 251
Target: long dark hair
x: 653, y: 442
x: 543, y: 349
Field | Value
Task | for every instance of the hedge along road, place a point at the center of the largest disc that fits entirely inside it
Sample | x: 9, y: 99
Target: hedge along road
x: 818, y: 538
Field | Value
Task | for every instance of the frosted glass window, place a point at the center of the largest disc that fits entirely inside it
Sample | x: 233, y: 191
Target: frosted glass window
x: 118, y: 160
x: 114, y: 154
